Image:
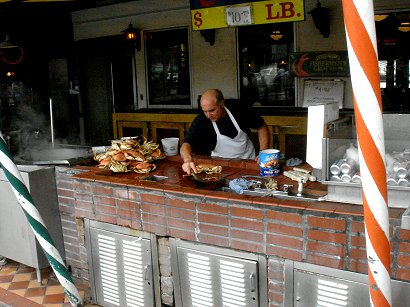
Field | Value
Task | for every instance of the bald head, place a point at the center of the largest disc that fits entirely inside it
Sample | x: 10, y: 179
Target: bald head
x: 213, y: 94
x: 212, y: 104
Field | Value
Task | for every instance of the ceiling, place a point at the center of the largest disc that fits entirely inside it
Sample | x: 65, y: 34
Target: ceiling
x: 68, y: 4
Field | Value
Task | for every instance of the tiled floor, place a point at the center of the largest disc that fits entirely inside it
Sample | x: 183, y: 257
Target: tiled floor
x: 19, y: 287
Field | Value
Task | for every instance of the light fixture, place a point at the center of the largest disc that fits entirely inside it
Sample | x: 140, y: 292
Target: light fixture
x: 10, y: 52
x: 133, y: 36
x: 404, y: 27
x: 276, y: 35
x: 380, y: 17
x: 321, y: 19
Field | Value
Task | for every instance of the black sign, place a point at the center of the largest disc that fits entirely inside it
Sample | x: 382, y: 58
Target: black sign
x: 319, y: 64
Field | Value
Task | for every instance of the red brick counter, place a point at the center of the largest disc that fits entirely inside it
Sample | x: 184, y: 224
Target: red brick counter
x: 324, y: 233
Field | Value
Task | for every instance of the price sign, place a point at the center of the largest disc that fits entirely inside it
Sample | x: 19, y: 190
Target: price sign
x: 238, y: 15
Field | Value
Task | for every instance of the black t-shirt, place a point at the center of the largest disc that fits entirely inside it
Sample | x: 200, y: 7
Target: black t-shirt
x: 202, y: 136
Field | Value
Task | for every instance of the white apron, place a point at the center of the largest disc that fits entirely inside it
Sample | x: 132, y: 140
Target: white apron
x: 240, y: 147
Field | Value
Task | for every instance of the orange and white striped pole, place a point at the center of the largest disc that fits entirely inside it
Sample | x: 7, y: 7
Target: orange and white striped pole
x: 364, y: 71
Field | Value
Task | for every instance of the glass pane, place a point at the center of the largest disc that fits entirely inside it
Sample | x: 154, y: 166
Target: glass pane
x: 123, y: 83
x: 393, y: 45
x: 264, y: 55
x: 168, y: 68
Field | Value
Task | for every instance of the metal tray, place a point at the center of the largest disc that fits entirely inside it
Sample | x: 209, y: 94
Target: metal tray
x: 352, y: 193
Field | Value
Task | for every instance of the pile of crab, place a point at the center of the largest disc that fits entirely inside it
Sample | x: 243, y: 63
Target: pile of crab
x: 130, y: 154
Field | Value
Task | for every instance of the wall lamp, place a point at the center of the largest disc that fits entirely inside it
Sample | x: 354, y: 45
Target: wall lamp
x: 133, y: 36
x: 276, y: 35
x: 404, y: 27
x: 321, y: 19
x: 380, y: 17
x: 10, y: 52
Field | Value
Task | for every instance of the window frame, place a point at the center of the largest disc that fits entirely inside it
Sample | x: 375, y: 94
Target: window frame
x: 149, y: 104
x: 292, y: 48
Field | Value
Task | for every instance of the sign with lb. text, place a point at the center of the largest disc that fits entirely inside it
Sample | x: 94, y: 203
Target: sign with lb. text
x: 213, y: 14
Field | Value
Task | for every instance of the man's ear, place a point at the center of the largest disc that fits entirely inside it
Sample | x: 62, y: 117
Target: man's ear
x: 223, y: 103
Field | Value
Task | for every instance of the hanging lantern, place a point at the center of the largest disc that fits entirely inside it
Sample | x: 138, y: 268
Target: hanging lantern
x: 133, y: 36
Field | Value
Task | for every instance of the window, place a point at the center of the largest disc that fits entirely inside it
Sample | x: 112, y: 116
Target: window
x: 123, y: 83
x: 168, y: 68
x: 264, y: 54
x: 393, y: 44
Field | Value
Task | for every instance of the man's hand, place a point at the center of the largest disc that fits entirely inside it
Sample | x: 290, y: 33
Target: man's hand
x: 186, y: 154
x: 189, y: 167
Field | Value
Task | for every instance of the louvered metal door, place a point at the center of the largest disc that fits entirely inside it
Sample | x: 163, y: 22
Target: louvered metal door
x: 309, y: 285
x: 208, y: 279
x: 323, y: 291
x: 122, y: 269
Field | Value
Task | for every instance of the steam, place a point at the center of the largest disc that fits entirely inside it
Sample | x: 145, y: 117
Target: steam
x: 30, y: 129
x: 25, y: 119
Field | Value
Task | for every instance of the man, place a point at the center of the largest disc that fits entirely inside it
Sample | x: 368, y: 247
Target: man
x: 222, y: 131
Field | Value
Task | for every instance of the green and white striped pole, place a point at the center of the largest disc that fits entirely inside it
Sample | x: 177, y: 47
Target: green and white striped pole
x: 37, y: 224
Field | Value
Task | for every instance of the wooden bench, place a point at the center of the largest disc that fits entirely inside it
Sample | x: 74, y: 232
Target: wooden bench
x: 280, y: 127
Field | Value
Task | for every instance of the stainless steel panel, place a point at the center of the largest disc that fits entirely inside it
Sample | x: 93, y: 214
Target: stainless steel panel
x: 405, y: 219
x: 209, y: 276
x: 17, y: 239
x: 122, y: 269
x: 311, y: 289
x: 310, y: 285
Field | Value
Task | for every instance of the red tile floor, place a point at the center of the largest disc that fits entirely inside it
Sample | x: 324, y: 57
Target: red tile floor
x: 19, y: 287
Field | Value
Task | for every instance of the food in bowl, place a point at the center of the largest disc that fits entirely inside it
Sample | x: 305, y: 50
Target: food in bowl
x: 208, y: 168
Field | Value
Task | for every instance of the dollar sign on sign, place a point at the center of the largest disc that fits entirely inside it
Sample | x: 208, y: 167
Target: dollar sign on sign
x: 198, y: 19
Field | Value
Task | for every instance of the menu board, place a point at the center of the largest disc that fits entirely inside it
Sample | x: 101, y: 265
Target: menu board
x: 317, y: 92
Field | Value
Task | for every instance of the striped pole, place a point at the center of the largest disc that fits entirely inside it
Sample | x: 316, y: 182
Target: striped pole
x: 37, y: 224
x: 362, y: 48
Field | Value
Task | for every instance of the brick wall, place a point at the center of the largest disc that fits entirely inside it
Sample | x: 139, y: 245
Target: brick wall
x: 73, y: 228
x: 315, y: 236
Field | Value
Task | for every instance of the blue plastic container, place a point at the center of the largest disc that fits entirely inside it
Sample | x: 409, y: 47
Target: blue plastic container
x: 269, y: 162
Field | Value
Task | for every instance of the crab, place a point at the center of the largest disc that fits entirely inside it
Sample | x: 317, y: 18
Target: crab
x: 208, y: 168
x: 134, y: 155
x: 143, y: 167
x: 148, y: 147
x: 157, y: 154
x: 119, y: 156
x: 104, y: 163
x: 101, y: 156
x: 130, y: 154
x: 117, y: 167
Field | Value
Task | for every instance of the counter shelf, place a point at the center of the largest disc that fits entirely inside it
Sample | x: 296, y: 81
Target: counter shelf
x: 168, y: 176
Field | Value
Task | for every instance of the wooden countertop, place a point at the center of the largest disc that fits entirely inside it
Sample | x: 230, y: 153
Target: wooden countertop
x: 179, y: 184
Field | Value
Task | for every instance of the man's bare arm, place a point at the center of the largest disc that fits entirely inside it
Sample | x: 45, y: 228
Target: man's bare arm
x: 188, y: 164
x: 264, y: 137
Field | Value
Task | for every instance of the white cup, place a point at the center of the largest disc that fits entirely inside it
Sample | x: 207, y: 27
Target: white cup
x: 170, y: 146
